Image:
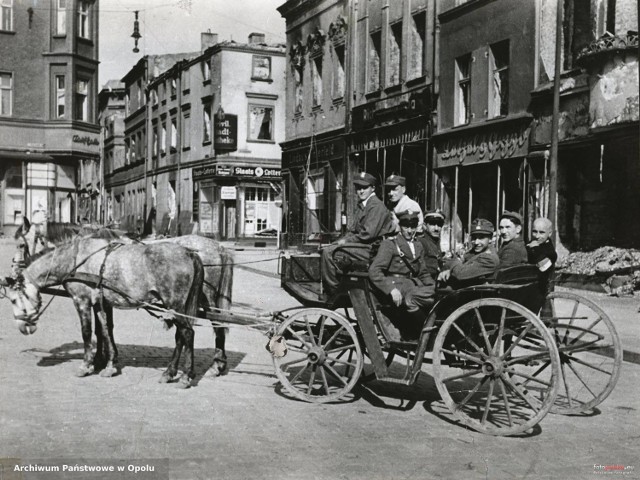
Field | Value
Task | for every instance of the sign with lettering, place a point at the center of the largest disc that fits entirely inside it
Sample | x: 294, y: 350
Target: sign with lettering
x: 321, y: 152
x: 242, y: 172
x: 482, y: 146
x: 227, y: 193
x: 225, y: 133
x: 85, y: 140
x: 406, y: 132
x: 391, y: 109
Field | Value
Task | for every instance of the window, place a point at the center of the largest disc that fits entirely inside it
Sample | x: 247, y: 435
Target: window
x: 61, y: 17
x: 316, y: 73
x: 127, y: 151
x: 418, y: 46
x: 206, y: 123
x: 463, y: 93
x: 83, y: 19
x: 174, y: 135
x: 154, y: 97
x: 260, y: 123
x: 186, y: 130
x: 261, y: 68
x: 338, y: 72
x: 60, y: 96
x: 174, y: 88
x: 82, y: 104
x: 134, y: 150
x: 395, y: 54
x: 373, y: 74
x: 154, y: 146
x: 186, y: 80
x: 6, y: 93
x: 499, y: 85
x: 6, y: 15
x: 206, y: 71
x: 163, y: 139
x: 297, y: 78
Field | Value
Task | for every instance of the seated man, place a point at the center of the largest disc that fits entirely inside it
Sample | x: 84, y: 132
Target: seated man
x: 541, y: 251
x: 372, y: 223
x: 512, y: 250
x: 433, y: 222
x: 479, y: 264
x: 398, y: 269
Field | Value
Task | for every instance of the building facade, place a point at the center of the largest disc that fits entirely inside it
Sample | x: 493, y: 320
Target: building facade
x: 49, y: 135
x: 201, y: 141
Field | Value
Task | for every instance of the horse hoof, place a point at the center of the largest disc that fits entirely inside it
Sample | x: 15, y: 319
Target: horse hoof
x: 109, y: 372
x: 185, y: 382
x: 85, y: 371
x: 165, y: 378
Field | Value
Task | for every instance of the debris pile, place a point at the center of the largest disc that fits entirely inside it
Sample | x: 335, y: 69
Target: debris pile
x: 623, y: 265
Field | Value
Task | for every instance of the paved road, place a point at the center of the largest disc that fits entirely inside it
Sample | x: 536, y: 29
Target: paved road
x: 243, y: 426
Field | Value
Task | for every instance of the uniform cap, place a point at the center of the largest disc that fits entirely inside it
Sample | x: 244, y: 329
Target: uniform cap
x: 395, y: 180
x: 515, y: 217
x: 408, y: 217
x: 481, y: 226
x: 436, y: 214
x: 365, y: 179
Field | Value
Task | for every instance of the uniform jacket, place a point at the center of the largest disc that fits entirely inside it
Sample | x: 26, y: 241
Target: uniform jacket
x: 432, y: 253
x: 475, y: 267
x: 388, y: 263
x: 372, y: 222
x: 512, y: 253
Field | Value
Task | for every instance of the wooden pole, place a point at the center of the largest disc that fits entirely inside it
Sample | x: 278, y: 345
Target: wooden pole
x: 553, y: 163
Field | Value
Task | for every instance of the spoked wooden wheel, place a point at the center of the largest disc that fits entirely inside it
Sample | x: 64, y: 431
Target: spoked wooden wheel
x: 491, y: 347
x: 324, y: 358
x: 590, y: 351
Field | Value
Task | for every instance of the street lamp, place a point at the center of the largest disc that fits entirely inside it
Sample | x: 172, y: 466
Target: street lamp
x: 136, y: 33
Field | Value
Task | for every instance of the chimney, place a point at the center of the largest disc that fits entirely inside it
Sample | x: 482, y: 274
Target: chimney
x: 256, y: 38
x: 207, y: 39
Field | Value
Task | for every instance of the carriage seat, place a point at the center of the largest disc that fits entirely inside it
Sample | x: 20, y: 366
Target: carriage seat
x: 517, y: 275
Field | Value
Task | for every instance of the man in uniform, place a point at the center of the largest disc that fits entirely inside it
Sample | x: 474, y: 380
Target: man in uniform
x: 400, y: 202
x: 433, y: 222
x: 479, y: 264
x: 372, y: 222
x: 398, y: 269
x: 512, y: 250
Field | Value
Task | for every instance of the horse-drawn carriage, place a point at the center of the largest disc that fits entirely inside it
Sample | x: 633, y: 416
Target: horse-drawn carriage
x: 503, y: 354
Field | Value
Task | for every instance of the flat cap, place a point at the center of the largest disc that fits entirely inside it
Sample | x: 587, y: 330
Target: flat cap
x: 395, y: 180
x: 435, y: 213
x: 364, y: 179
x: 515, y: 217
x: 482, y: 227
x: 408, y: 217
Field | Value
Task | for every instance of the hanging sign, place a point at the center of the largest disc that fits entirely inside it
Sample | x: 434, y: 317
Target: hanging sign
x: 225, y: 133
x: 227, y: 193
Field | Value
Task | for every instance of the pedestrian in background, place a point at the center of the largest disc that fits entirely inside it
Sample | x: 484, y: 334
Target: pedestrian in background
x: 400, y: 202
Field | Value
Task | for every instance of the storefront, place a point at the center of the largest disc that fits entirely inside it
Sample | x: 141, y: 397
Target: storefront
x: 237, y: 201
x: 313, y: 176
x: 483, y: 170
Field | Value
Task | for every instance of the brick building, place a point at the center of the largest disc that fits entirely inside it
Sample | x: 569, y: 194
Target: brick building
x: 49, y: 135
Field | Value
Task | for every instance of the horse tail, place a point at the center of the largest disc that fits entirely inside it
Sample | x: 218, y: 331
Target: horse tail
x: 191, y: 305
x: 225, y: 285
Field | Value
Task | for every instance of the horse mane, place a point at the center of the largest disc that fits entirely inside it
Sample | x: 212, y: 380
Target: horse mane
x: 62, y: 232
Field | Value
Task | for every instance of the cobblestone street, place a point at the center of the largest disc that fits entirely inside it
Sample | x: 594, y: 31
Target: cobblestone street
x: 243, y: 426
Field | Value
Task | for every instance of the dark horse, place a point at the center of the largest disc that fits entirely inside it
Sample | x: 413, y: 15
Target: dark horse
x: 217, y: 262
x: 104, y: 274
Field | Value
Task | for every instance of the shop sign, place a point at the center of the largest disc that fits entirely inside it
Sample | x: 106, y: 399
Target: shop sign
x: 397, y: 135
x: 320, y: 152
x: 256, y: 172
x: 85, y: 140
x: 228, y: 171
x: 228, y: 193
x: 223, y: 171
x: 225, y: 133
x: 394, y: 108
x: 482, y: 147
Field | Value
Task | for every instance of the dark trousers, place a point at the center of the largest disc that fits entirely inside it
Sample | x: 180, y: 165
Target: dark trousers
x: 414, y: 296
x: 347, y: 256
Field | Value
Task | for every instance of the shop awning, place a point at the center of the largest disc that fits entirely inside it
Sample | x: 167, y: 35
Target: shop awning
x: 24, y: 156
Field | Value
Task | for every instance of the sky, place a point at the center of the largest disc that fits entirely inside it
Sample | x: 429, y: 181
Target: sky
x: 172, y: 26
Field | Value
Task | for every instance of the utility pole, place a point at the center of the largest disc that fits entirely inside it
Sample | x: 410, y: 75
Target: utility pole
x: 553, y: 167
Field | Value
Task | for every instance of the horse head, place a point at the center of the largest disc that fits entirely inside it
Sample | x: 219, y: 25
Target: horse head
x: 26, y: 302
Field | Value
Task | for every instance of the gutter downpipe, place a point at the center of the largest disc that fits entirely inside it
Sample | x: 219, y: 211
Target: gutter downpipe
x: 348, y: 104
x: 552, y: 213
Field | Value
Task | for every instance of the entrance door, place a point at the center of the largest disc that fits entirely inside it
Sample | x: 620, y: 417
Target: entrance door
x: 230, y: 219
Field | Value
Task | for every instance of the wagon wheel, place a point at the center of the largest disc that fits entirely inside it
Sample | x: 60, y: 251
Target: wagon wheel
x: 590, y: 351
x: 324, y: 358
x: 493, y: 346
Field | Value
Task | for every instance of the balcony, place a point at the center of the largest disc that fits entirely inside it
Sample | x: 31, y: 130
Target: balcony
x: 606, y: 46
